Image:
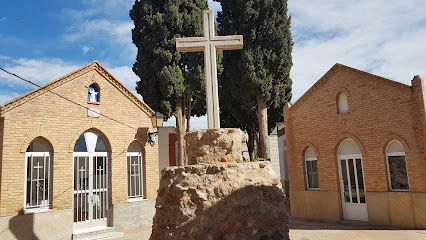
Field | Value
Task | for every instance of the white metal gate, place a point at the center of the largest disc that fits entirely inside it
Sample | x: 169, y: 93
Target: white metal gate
x: 90, y: 191
x: 351, y: 176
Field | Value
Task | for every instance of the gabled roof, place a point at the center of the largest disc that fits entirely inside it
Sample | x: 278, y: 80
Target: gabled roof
x: 339, y: 67
x: 71, y: 76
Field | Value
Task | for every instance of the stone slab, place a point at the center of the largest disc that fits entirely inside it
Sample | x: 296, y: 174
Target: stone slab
x: 56, y: 224
x: 94, y: 112
x: 419, y: 205
x: 401, y: 209
x: 132, y: 215
x: 315, y: 205
x: 214, y: 145
x: 378, y: 208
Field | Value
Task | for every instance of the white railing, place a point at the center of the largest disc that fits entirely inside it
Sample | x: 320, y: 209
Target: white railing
x: 38, y: 183
x: 134, y: 175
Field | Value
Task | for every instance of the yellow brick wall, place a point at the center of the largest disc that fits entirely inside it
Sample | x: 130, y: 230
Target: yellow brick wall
x: 61, y: 123
x: 380, y: 110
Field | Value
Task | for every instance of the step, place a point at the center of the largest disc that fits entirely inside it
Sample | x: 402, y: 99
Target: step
x: 106, y: 233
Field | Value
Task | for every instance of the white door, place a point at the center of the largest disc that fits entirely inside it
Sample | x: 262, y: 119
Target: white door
x: 351, y: 176
x: 90, y: 191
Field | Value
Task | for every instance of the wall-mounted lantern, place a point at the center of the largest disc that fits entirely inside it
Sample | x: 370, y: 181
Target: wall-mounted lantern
x: 157, y: 121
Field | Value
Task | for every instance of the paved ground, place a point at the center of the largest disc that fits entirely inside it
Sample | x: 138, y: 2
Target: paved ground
x: 311, y: 230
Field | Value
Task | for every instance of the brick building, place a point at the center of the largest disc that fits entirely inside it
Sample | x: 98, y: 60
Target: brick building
x: 356, y: 147
x: 66, y: 168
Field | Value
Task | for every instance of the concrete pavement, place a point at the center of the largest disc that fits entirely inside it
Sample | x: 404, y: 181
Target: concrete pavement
x: 313, y: 230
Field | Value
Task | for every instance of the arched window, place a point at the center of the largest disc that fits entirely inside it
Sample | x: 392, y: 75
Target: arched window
x: 91, y: 142
x: 134, y: 172
x: 348, y: 146
x: 37, y: 187
x: 311, y: 170
x: 397, y: 167
x: 342, y: 102
x: 93, y: 93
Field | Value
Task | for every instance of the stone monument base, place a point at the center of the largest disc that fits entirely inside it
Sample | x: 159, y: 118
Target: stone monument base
x: 220, y: 201
x: 214, y: 145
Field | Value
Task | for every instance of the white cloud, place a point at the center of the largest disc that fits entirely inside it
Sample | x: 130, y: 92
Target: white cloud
x: 117, y: 34
x: 103, y: 23
x: 126, y: 76
x: 103, y: 29
x: 39, y: 71
x: 197, y: 123
x: 382, y: 37
x: 2, y: 58
x: 170, y: 122
x: 215, y: 6
x: 86, y: 49
x: 110, y: 5
x: 7, y: 96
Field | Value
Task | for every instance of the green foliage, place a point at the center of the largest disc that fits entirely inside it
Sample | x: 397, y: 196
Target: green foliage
x: 168, y: 78
x: 263, y: 66
x: 257, y: 159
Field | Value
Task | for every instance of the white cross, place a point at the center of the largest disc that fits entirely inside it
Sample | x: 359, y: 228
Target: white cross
x: 134, y: 164
x: 37, y: 169
x: 209, y: 43
x: 135, y: 167
x: 38, y: 166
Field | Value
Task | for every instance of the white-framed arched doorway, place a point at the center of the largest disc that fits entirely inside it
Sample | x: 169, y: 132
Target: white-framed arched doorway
x: 351, y: 179
x: 90, y: 187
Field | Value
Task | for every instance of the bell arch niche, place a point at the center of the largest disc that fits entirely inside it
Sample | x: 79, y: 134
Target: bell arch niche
x: 342, y: 103
x: 93, y: 94
x: 91, y: 178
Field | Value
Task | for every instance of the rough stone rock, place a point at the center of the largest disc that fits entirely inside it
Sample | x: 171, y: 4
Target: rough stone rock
x: 220, y: 201
x: 214, y: 145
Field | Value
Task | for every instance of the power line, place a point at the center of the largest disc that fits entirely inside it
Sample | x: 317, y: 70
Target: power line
x: 69, y: 100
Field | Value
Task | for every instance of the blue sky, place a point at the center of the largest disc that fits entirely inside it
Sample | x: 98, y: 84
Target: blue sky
x: 43, y: 40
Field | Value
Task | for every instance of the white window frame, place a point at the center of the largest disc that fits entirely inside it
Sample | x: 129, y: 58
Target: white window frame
x: 306, y: 172
x: 396, y: 154
x: 47, y: 162
x: 131, y: 198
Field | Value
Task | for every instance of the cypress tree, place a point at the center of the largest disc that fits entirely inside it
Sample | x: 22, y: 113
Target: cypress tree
x: 170, y: 82
x: 258, y: 77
